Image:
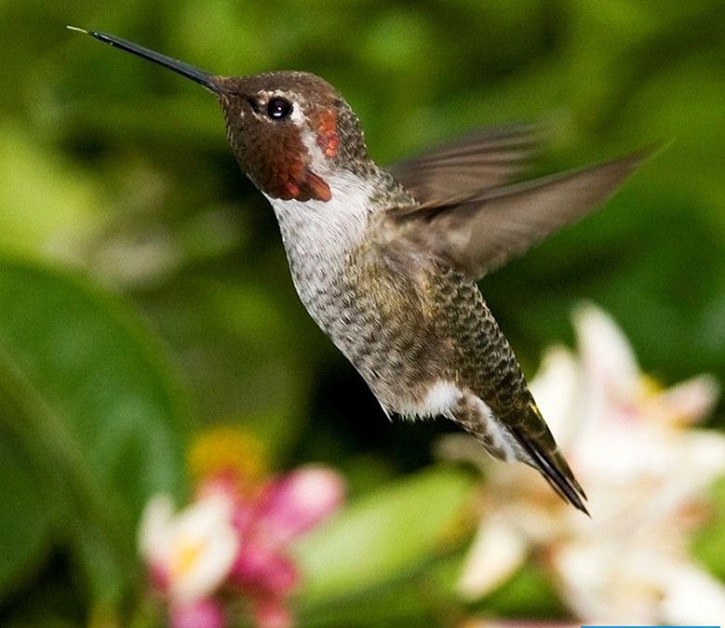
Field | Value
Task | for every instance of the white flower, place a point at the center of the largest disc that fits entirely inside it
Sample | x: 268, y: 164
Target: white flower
x: 191, y: 553
x: 645, y: 469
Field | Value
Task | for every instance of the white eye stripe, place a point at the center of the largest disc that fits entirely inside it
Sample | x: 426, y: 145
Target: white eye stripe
x: 297, y: 116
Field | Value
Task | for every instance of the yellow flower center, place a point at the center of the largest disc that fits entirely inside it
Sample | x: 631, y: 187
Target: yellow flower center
x: 186, y: 557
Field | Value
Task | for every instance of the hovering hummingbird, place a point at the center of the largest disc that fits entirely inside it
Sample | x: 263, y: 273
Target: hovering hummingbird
x: 386, y: 261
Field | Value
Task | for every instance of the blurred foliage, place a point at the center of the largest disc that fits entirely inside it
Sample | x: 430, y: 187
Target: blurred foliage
x: 115, y: 170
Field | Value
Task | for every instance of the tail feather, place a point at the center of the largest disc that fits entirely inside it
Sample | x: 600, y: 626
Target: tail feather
x: 556, y: 472
x: 527, y: 440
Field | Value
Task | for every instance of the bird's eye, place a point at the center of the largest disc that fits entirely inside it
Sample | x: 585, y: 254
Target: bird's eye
x: 279, y: 108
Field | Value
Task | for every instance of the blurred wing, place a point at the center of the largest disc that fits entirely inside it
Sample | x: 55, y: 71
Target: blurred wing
x: 483, y: 232
x: 482, y: 160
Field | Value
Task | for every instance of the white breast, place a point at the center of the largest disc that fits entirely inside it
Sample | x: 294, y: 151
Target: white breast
x: 322, y: 230
x: 318, y: 235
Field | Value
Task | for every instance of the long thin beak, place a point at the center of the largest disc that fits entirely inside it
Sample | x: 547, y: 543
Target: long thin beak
x: 195, y: 74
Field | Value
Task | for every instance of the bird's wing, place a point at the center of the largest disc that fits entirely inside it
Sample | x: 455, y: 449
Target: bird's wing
x: 479, y: 161
x: 484, y: 231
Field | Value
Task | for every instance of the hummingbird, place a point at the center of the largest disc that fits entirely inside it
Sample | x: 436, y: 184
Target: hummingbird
x: 386, y: 261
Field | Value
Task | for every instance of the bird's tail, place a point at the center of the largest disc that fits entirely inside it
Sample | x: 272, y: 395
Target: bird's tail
x: 555, y: 469
x: 527, y: 439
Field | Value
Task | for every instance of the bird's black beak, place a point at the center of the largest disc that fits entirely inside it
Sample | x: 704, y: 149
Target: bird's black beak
x: 206, y: 79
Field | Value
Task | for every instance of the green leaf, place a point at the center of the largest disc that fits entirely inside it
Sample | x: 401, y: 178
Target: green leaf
x: 528, y: 593
x: 42, y: 195
x: 386, y: 535
x: 89, y: 396
x: 25, y: 521
x: 403, y: 604
x: 709, y: 542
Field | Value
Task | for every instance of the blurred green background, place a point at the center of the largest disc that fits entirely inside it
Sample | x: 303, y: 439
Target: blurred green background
x: 134, y: 253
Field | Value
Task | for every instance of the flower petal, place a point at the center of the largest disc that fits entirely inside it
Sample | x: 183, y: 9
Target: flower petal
x: 156, y: 522
x: 205, y: 546
x: 189, y: 555
x: 299, y: 501
x: 693, y: 597
x: 200, y: 614
x: 606, y: 353
x: 264, y: 568
x: 556, y: 389
x: 688, y: 402
x: 496, y: 554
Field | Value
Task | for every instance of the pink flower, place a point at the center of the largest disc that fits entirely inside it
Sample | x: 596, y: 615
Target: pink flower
x: 235, y: 541
x: 286, y: 509
x: 205, y: 613
x: 298, y: 502
x: 189, y: 554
